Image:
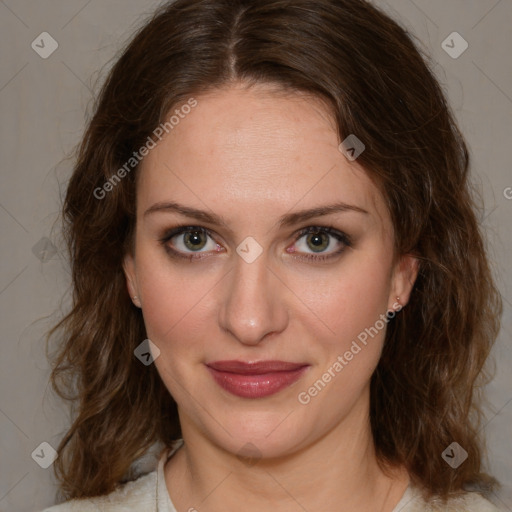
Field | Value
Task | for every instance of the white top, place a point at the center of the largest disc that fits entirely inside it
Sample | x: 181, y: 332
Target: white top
x: 148, y: 493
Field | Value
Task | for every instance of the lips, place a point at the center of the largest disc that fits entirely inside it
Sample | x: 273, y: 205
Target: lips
x: 255, y: 379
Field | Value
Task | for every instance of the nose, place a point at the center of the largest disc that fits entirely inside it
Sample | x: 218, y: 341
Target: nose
x: 254, y: 302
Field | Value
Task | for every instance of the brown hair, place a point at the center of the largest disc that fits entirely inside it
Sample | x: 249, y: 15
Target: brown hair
x: 425, y: 390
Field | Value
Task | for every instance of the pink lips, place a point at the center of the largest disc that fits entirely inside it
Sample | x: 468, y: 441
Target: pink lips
x: 255, y: 380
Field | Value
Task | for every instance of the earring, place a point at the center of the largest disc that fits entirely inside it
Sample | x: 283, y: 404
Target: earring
x: 394, y: 309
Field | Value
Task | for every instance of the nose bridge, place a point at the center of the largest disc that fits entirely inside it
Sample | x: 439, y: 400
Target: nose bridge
x: 252, y: 306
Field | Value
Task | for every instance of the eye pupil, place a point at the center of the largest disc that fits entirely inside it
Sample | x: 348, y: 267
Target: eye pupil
x: 193, y: 240
x: 320, y: 241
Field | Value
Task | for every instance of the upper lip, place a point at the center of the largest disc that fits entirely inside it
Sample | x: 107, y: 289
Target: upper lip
x: 254, y: 368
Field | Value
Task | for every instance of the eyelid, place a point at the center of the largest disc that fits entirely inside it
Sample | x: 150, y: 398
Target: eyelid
x: 342, y: 237
x: 179, y: 230
x: 330, y: 230
x: 321, y: 257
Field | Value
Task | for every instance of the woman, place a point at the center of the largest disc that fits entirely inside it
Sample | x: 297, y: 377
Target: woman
x: 278, y: 272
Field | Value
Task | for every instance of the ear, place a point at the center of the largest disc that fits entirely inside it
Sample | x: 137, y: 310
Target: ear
x: 403, y: 279
x: 131, y: 278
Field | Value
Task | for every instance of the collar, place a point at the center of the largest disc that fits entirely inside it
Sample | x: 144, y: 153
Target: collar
x: 163, y: 500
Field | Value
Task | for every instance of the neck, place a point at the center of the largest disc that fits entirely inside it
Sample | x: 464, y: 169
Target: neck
x: 339, y: 472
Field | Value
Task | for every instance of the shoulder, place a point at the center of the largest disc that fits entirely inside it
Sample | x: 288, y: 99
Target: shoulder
x: 467, y: 502
x: 135, y: 495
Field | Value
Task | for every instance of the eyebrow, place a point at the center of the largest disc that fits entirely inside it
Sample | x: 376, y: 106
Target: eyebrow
x: 286, y: 220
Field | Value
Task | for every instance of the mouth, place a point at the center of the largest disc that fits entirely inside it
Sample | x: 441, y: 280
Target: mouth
x: 257, y: 379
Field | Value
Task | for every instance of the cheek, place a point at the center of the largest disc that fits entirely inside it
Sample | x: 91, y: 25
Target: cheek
x: 177, y: 304
x: 348, y: 354
x: 175, y: 313
x: 350, y: 301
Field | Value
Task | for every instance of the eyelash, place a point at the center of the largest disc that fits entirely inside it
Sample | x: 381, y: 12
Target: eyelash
x: 340, y: 236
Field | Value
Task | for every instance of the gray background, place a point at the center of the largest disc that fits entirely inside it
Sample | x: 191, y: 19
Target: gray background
x: 44, y: 104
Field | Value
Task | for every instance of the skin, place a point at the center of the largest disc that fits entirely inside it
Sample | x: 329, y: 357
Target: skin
x: 252, y: 155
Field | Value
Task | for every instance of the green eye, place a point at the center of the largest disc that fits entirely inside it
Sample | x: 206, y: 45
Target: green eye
x: 318, y: 242
x: 188, y: 242
x: 194, y: 240
x: 318, y: 239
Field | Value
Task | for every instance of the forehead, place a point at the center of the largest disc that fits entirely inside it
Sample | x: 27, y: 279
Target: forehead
x: 254, y: 149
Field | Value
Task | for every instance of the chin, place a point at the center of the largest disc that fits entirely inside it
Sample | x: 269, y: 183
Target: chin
x: 261, y: 435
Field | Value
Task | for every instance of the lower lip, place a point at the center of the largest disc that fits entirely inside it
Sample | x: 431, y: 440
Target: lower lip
x: 256, y: 386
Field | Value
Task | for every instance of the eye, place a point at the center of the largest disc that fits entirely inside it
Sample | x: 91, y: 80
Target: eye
x: 318, y: 239
x: 195, y: 242
x: 186, y: 241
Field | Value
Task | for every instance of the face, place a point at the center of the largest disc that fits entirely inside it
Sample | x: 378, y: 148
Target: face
x: 257, y: 241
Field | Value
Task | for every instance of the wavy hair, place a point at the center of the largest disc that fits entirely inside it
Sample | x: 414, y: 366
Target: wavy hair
x: 425, y: 392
